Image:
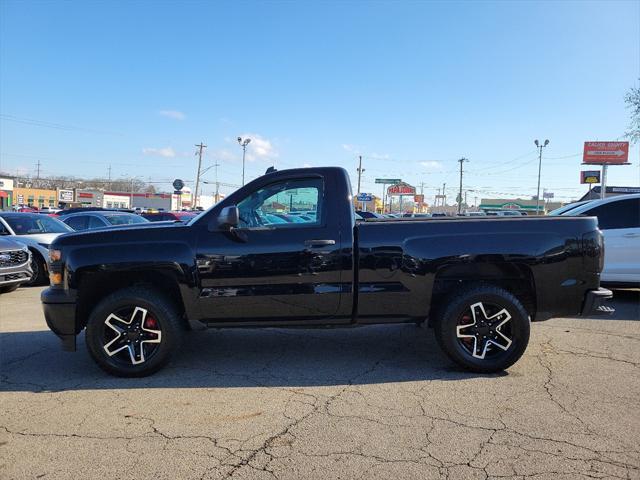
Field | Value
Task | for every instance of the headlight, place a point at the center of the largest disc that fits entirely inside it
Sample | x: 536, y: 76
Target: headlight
x: 54, y: 255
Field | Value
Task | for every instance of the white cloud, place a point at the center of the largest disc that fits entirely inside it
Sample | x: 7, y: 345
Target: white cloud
x: 166, y: 152
x: 351, y: 148
x: 431, y: 166
x: 174, y: 114
x: 259, y: 148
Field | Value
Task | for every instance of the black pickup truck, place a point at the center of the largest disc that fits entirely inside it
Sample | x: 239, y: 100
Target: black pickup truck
x: 286, y: 250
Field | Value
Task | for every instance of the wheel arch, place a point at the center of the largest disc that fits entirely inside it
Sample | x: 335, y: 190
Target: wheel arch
x: 95, y: 284
x: 516, y: 278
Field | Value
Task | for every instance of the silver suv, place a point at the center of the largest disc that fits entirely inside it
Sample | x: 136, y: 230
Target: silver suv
x: 15, y: 265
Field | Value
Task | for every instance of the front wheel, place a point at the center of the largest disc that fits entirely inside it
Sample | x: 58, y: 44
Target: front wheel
x: 9, y: 288
x: 483, y: 328
x: 133, y: 332
x: 39, y: 269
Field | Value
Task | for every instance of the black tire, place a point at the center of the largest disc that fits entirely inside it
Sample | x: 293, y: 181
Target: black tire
x: 39, y: 270
x: 9, y: 288
x: 479, y: 352
x: 154, y: 354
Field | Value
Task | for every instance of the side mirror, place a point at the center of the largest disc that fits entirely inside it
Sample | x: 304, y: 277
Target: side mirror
x: 228, y: 218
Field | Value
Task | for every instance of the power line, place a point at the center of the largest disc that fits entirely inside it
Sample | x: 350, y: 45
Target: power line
x: 57, y: 126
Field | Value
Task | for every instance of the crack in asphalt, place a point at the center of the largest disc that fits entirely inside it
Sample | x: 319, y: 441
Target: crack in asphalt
x: 265, y: 451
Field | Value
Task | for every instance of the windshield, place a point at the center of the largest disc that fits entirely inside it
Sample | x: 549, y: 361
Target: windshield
x: 35, y: 224
x: 567, y: 208
x: 125, y: 219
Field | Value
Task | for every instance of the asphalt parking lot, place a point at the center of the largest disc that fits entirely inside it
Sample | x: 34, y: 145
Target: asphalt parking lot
x: 377, y: 402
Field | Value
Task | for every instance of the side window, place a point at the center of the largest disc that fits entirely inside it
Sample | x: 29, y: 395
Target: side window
x: 620, y: 214
x: 286, y: 204
x: 78, y: 223
x: 3, y: 229
x: 95, y: 222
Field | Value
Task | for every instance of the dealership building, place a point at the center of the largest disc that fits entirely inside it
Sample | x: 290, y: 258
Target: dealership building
x: 523, y: 206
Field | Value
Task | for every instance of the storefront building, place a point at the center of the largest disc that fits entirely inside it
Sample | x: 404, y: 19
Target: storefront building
x: 6, y: 193
x: 88, y: 198
x: 116, y: 200
x: 34, y: 197
x: 527, y: 207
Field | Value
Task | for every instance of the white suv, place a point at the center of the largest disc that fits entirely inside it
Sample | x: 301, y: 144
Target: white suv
x: 619, y: 220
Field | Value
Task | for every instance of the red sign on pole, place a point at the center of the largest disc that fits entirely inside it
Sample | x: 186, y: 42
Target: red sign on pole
x: 606, y: 153
x: 401, y: 189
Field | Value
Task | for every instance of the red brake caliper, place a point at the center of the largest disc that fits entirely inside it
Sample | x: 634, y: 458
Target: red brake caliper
x: 151, y: 323
x: 465, y: 320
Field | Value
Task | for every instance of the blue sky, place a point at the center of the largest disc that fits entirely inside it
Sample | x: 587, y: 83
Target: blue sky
x: 411, y: 86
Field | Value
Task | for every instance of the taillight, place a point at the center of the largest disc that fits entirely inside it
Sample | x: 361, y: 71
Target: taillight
x: 593, y: 251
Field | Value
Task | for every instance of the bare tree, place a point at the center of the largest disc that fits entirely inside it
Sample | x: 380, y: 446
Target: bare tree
x: 632, y: 99
x: 122, y: 184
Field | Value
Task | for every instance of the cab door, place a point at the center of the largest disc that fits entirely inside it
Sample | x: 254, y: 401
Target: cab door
x: 282, y: 263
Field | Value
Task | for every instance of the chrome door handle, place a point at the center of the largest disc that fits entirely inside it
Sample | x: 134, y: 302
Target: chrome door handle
x: 319, y: 243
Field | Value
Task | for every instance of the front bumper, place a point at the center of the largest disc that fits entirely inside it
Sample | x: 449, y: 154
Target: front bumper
x: 60, y: 313
x: 16, y: 274
x: 594, y: 303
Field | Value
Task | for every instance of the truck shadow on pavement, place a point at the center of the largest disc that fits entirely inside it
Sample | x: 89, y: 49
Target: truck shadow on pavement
x: 272, y: 357
x: 291, y: 358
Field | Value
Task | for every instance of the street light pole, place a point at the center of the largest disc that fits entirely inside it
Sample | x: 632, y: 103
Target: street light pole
x: 243, y: 142
x: 540, y: 146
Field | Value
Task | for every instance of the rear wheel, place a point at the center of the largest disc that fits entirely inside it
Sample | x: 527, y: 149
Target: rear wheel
x: 483, y: 328
x: 133, y: 332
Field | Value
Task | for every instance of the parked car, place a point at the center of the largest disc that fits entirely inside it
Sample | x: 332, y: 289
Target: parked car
x: 474, y: 214
x: 36, y: 231
x: 478, y: 284
x: 169, y: 216
x: 416, y: 215
x: 26, y: 209
x: 49, y: 210
x: 567, y: 207
x: 95, y: 219
x: 619, y: 220
x: 15, y: 265
x: 367, y: 215
x: 505, y: 213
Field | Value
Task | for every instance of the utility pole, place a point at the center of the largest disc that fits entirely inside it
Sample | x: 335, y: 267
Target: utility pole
x: 201, y: 147
x: 360, y: 171
x: 109, y: 176
x: 38, y: 170
x: 444, y: 195
x: 540, y: 147
x: 462, y: 160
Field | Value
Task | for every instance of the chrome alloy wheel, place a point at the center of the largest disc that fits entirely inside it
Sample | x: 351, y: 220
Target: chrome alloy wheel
x: 131, y: 335
x: 483, y: 329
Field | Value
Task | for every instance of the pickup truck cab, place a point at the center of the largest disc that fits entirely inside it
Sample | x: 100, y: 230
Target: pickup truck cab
x: 478, y: 282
